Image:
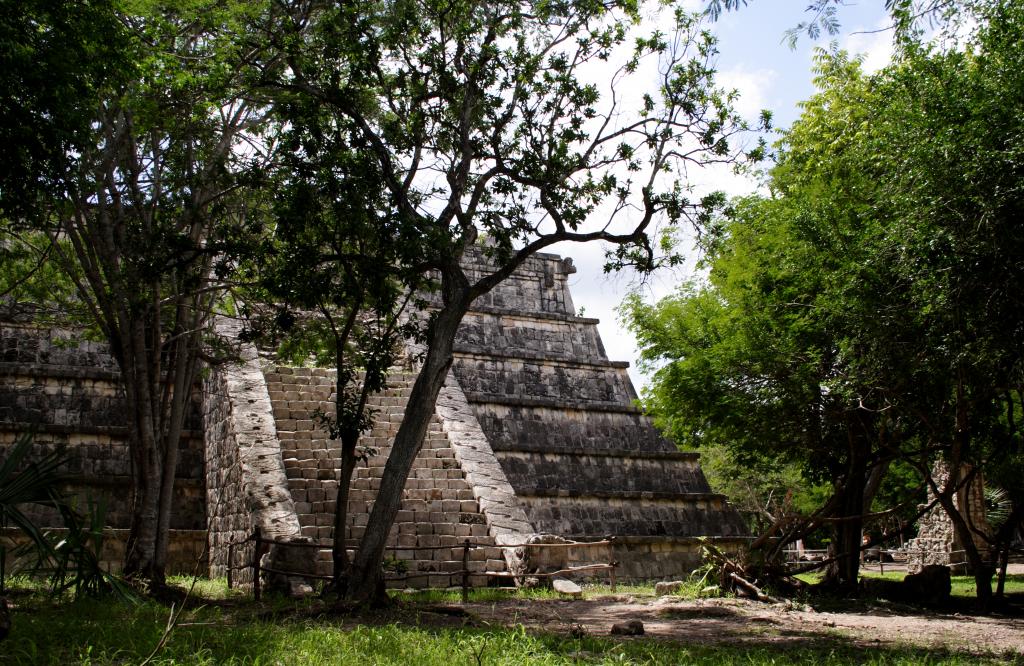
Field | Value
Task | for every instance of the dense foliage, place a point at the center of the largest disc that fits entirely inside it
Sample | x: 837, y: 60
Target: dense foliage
x: 868, y: 312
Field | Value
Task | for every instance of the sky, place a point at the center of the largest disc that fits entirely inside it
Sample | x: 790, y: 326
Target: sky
x: 755, y: 60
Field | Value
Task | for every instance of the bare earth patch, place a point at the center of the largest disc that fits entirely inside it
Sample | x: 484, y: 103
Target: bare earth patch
x: 738, y: 622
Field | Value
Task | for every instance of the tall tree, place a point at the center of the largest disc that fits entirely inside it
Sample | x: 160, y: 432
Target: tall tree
x: 510, y: 119
x: 756, y: 361
x: 56, y: 60
x: 143, y: 212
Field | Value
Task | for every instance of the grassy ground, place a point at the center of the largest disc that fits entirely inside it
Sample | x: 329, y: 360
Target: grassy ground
x: 962, y: 586
x: 221, y: 627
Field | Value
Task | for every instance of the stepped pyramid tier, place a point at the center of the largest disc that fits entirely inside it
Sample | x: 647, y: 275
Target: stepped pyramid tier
x: 561, y: 420
x: 534, y: 433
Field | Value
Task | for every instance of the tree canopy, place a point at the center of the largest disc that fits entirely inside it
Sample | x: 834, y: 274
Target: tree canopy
x: 873, y: 293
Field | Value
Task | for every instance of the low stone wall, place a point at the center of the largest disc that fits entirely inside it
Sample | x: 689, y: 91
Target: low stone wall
x: 665, y: 558
x: 637, y: 558
x: 186, y: 550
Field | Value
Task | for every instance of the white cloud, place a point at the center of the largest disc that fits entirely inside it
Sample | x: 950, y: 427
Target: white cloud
x: 754, y: 86
x: 875, y: 44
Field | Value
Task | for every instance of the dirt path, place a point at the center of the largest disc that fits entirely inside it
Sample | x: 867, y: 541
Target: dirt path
x: 737, y: 621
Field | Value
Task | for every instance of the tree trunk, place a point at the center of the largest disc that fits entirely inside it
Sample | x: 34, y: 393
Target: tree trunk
x: 842, y: 573
x: 961, y: 444
x: 981, y: 570
x: 140, y: 555
x: 183, y: 372
x: 365, y: 585
x: 1004, y: 561
x: 339, y: 551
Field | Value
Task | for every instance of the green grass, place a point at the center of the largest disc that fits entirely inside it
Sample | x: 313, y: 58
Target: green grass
x: 962, y: 586
x: 222, y: 627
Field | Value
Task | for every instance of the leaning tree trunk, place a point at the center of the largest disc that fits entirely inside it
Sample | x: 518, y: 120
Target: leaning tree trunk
x: 961, y: 445
x: 366, y: 584
x: 981, y: 569
x: 339, y: 550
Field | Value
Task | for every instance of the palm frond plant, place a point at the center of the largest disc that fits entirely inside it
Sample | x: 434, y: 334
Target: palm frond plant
x: 71, y: 557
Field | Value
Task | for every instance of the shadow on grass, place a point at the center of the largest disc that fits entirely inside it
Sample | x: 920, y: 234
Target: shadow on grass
x: 109, y: 632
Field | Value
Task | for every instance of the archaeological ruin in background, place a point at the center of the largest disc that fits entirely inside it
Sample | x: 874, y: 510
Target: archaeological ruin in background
x: 536, y: 432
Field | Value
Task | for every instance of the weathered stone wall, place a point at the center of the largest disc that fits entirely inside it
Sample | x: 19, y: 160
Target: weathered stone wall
x: 538, y: 285
x: 623, y: 513
x: 526, y: 379
x: 607, y: 471
x: 439, y: 507
x: 186, y: 549
x: 542, y: 335
x: 937, y: 541
x: 67, y: 390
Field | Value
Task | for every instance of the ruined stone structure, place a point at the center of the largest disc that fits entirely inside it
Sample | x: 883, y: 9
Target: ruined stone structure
x: 534, y: 433
x: 937, y: 541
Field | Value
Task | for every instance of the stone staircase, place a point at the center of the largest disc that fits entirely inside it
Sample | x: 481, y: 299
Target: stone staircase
x: 438, y: 505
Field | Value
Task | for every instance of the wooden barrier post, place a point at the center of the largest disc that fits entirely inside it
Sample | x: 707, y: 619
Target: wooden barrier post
x: 465, y: 572
x: 611, y: 552
x: 256, y: 564
x: 231, y: 562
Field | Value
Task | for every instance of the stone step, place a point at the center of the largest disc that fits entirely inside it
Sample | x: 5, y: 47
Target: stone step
x: 565, y: 404
x: 471, y: 353
x: 546, y: 428
x: 533, y: 315
x: 622, y: 495
x: 613, y: 454
x: 581, y: 473
x: 600, y: 514
x: 525, y: 381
